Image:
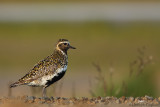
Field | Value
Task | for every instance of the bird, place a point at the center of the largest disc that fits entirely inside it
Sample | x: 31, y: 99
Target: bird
x: 49, y: 70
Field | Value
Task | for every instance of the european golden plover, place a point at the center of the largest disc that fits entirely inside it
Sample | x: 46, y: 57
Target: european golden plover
x: 49, y: 70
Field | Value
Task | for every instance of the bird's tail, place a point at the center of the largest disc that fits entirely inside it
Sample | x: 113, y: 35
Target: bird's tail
x: 15, y: 84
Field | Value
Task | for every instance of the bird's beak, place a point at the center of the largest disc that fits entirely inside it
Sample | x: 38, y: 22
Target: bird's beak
x: 71, y: 47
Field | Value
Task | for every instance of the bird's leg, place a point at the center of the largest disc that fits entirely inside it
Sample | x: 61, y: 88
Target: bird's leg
x: 44, y: 92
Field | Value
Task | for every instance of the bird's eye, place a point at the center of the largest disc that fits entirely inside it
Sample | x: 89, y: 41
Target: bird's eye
x: 65, y: 43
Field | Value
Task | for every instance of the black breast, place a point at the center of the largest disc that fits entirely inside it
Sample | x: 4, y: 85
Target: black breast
x: 55, y: 78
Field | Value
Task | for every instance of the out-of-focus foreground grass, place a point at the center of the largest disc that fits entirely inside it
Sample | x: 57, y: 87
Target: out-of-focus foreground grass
x: 24, y: 44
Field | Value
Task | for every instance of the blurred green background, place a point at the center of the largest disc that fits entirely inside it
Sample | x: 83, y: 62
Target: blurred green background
x: 118, y: 47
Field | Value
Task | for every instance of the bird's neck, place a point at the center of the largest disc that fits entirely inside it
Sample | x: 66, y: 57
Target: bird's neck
x: 64, y: 51
x: 61, y: 52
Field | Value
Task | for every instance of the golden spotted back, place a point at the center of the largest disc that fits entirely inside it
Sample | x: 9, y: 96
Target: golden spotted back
x: 47, y: 66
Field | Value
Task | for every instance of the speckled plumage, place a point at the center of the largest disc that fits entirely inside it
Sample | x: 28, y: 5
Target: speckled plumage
x: 48, y: 66
x: 48, y: 70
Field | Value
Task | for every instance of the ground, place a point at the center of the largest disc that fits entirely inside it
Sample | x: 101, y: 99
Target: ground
x: 123, y: 101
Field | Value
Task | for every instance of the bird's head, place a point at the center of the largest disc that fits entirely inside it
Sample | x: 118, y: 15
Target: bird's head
x: 64, y: 45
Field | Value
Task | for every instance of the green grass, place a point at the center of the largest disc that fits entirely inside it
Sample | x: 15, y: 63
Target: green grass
x: 142, y: 85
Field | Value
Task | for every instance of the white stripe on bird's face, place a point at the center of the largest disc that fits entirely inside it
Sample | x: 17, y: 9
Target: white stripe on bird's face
x: 62, y: 46
x: 62, y: 43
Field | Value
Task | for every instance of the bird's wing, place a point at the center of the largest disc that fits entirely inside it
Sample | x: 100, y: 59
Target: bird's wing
x: 44, y: 67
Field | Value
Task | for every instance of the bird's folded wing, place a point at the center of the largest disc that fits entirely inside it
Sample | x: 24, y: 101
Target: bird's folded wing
x: 41, y: 69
